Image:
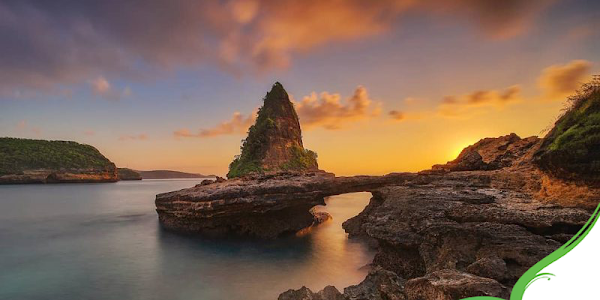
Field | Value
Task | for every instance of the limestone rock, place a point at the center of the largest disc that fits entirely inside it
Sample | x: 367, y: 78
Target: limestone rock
x: 453, y: 285
x: 490, y: 154
x: 262, y: 206
x: 304, y: 293
x: 379, y: 284
x: 274, y: 142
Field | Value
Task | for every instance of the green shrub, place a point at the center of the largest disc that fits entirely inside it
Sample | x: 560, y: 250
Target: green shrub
x: 572, y: 148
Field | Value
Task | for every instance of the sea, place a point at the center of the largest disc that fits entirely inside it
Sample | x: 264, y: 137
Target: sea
x: 103, y: 241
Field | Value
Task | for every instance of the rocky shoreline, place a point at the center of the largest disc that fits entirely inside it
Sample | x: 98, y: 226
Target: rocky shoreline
x: 454, y: 234
x: 263, y: 206
x: 447, y: 233
x: 470, y: 227
x: 58, y: 176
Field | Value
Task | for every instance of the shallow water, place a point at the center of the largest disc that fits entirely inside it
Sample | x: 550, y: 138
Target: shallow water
x: 103, y: 241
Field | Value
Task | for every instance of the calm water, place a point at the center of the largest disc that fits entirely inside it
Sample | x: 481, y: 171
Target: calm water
x: 102, y: 241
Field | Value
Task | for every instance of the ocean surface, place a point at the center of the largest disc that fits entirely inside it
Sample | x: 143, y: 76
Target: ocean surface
x: 103, y: 241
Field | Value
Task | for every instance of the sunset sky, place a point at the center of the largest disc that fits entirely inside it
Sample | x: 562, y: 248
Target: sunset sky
x: 379, y: 86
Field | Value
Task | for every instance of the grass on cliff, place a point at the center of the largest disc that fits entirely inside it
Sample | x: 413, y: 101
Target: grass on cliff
x: 255, y: 146
x: 572, y: 147
x: 18, y: 155
x: 302, y: 159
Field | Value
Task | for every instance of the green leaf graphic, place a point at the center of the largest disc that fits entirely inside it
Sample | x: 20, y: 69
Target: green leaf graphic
x: 533, y: 274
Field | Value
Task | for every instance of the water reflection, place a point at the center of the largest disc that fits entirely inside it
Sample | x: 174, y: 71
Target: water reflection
x: 104, y: 242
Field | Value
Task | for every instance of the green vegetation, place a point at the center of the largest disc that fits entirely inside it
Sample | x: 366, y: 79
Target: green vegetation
x: 260, y: 137
x: 18, y: 155
x: 302, y: 159
x: 572, y: 148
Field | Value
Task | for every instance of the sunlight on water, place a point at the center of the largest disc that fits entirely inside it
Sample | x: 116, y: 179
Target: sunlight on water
x: 102, y: 241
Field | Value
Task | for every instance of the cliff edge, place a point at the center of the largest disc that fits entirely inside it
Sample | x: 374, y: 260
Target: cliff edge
x: 41, y: 161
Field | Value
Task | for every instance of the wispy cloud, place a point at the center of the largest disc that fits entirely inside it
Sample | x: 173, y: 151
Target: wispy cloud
x: 101, y: 87
x: 559, y: 81
x: 238, y: 124
x: 134, y: 137
x: 397, y: 115
x: 463, y: 106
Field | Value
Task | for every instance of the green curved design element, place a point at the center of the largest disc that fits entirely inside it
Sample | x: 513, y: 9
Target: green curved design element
x: 540, y: 276
x: 533, y: 274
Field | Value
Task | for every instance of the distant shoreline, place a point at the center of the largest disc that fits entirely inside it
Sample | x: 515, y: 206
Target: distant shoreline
x: 170, y: 174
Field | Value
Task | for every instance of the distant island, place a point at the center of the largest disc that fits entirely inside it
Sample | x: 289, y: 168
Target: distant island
x: 41, y: 161
x: 168, y: 174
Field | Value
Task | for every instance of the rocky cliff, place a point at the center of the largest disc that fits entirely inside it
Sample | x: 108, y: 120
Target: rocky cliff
x: 470, y: 227
x: 571, y: 150
x: 446, y: 234
x: 492, y: 154
x: 40, y: 161
x: 274, y: 142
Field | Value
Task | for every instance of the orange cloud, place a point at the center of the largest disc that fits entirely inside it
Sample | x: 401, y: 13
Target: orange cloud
x: 453, y: 106
x: 138, y: 137
x: 397, y: 115
x: 559, y: 81
x: 236, y: 33
x: 327, y: 110
x: 238, y: 124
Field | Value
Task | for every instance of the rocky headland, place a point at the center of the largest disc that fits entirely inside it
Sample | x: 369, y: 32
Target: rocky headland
x: 470, y: 227
x: 41, y: 161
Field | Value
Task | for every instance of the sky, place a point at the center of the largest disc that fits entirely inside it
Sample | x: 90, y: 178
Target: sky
x: 379, y: 86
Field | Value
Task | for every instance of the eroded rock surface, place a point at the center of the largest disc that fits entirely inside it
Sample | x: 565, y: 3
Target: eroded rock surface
x: 262, y: 206
x: 491, y: 154
x: 460, y: 236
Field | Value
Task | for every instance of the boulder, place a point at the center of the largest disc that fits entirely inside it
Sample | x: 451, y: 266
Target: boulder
x: 453, y: 285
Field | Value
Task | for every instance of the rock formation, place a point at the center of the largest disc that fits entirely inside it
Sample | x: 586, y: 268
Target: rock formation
x: 571, y: 150
x: 264, y: 206
x: 470, y: 227
x: 274, y: 142
x: 454, y: 235
x: 491, y: 154
x: 40, y: 161
x: 448, y: 234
